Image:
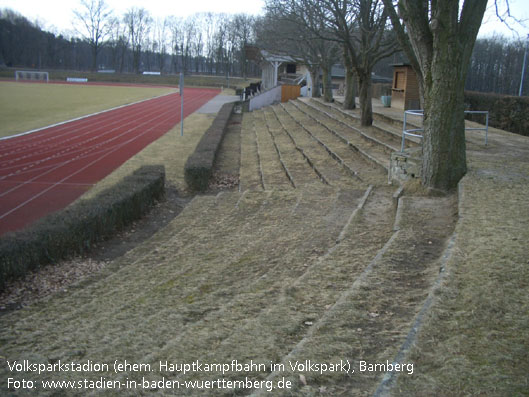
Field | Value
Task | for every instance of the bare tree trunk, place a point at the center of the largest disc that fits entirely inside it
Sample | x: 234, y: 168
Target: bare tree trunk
x: 327, y: 84
x: 366, y: 107
x: 438, y: 39
x: 350, y: 94
x: 444, y: 149
x: 315, y: 76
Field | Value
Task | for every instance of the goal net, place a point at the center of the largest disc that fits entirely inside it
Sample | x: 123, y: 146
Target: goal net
x: 31, y: 75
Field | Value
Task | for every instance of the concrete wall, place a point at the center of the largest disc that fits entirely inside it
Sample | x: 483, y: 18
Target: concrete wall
x: 405, y: 166
x: 266, y: 98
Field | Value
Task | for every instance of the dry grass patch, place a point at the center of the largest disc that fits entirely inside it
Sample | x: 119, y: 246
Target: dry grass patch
x: 208, y: 280
x: 474, y: 341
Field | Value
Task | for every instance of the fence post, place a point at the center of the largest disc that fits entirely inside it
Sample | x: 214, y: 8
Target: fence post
x: 181, y: 82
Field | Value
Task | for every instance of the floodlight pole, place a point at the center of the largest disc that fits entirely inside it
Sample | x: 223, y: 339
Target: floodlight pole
x: 181, y: 104
x: 523, y: 67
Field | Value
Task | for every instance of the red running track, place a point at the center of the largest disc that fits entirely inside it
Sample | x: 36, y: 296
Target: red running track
x: 46, y: 170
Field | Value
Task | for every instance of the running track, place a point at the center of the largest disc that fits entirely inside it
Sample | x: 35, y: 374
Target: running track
x: 46, y: 170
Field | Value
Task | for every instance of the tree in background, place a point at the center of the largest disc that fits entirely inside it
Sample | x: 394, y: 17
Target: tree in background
x: 243, y: 26
x: 496, y: 66
x: 301, y: 32
x: 160, y: 42
x: 361, y: 27
x: 134, y: 42
x: 138, y: 22
x: 95, y: 24
x: 438, y: 38
x: 118, y: 44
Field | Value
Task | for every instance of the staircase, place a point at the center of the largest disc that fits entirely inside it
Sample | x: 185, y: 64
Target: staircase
x: 308, y: 261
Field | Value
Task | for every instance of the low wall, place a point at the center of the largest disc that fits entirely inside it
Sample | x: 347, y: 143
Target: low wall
x: 266, y: 98
x: 199, y: 165
x: 405, y: 166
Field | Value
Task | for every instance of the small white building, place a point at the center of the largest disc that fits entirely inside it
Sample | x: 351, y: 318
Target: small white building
x: 279, y: 69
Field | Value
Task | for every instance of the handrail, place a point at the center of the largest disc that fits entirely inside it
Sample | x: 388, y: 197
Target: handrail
x: 410, y: 132
x: 486, y: 128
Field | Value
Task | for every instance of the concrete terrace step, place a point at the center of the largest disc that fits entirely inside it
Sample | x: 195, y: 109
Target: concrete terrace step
x: 385, y: 127
x: 250, y: 174
x: 286, y: 128
x: 264, y: 284
x: 370, y: 148
x: 372, y: 316
x: 334, y: 147
x: 300, y: 171
x: 271, y: 137
x: 387, y: 142
x: 346, y: 143
x: 329, y: 167
x: 275, y: 173
x: 270, y: 159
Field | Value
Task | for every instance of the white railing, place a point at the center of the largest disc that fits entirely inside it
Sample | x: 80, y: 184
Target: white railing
x: 412, y: 131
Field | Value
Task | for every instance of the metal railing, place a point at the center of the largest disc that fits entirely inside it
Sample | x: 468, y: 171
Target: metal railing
x: 412, y: 131
x: 486, y: 128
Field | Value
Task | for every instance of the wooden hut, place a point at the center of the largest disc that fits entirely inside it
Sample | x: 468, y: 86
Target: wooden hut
x: 404, y: 89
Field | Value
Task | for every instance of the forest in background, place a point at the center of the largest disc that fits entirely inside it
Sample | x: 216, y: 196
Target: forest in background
x: 207, y: 43
x: 203, y: 43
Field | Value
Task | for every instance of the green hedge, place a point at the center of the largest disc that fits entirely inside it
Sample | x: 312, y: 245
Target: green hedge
x: 199, y: 166
x: 74, y: 229
x: 509, y: 113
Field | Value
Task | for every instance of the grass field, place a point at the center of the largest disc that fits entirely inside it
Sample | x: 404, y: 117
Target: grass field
x: 25, y: 106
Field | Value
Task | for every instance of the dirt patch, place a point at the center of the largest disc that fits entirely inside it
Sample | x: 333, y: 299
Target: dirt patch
x: 228, y: 161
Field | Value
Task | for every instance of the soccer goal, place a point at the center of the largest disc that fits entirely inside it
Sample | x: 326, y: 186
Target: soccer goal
x: 31, y: 75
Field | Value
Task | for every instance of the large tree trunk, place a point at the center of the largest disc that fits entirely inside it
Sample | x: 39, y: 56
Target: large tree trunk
x: 315, y: 76
x: 364, y: 81
x: 350, y: 94
x: 327, y: 85
x: 444, y: 149
x: 438, y: 38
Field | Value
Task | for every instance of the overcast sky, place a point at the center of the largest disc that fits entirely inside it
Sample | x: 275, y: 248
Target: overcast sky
x: 56, y: 15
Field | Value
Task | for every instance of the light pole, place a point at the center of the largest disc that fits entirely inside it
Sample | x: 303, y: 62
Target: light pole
x: 523, y: 67
x: 181, y: 89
